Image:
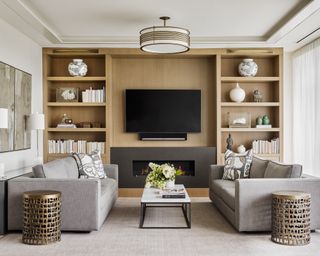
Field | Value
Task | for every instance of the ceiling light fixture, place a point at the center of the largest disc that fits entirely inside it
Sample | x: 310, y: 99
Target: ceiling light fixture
x: 164, y: 39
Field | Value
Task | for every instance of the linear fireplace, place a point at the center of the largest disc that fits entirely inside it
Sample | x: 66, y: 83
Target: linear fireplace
x: 133, y: 163
x: 141, y: 167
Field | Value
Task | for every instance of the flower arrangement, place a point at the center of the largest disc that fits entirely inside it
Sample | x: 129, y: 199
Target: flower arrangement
x: 161, y: 174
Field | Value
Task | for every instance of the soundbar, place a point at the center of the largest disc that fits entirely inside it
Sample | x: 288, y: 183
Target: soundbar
x: 163, y: 136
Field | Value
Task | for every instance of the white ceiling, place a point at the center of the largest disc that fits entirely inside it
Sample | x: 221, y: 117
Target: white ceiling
x: 213, y: 23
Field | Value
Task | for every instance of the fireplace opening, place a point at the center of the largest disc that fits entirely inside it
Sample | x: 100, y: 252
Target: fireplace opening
x: 141, y: 167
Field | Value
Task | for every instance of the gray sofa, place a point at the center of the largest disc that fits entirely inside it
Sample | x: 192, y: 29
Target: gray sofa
x: 85, y: 202
x: 247, y: 203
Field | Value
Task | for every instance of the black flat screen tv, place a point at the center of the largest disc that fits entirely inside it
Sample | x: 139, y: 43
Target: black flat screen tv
x: 163, y: 111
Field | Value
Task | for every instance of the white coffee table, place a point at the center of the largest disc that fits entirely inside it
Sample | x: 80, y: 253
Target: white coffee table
x: 152, y: 198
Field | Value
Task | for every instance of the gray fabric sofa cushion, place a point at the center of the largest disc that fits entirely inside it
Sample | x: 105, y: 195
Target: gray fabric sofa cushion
x: 225, y: 189
x: 65, y: 168
x: 258, y: 167
x: 38, y: 171
x: 277, y: 170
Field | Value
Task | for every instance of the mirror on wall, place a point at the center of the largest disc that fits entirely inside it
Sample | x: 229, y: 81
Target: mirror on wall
x: 15, y: 88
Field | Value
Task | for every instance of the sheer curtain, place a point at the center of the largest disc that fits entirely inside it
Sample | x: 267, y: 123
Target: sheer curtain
x: 306, y: 107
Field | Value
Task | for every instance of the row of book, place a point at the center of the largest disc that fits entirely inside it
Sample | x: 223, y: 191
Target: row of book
x: 71, y: 146
x: 93, y: 96
x: 266, y: 146
x: 173, y: 193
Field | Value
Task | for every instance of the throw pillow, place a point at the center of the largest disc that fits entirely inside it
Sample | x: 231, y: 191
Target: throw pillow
x: 237, y: 165
x: 64, y: 168
x: 258, y: 167
x: 278, y: 170
x: 90, y: 165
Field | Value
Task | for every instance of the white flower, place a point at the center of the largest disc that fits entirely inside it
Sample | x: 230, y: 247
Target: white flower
x: 168, y: 171
x: 148, y: 185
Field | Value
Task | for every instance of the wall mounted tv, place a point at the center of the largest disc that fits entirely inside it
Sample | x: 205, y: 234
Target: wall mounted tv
x: 163, y: 111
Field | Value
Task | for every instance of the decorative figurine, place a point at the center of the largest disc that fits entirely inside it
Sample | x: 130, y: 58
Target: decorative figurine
x: 265, y: 120
x: 257, y: 96
x: 229, y: 142
x: 259, y: 120
x: 66, y: 119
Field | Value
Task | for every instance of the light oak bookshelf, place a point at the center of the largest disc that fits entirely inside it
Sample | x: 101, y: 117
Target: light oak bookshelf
x: 214, y: 71
x: 268, y: 80
x: 55, y: 73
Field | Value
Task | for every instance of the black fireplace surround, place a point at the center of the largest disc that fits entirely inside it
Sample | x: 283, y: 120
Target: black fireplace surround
x: 133, y: 164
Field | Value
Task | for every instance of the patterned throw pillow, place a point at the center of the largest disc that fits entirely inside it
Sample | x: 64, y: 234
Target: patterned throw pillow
x: 237, y: 166
x: 90, y: 165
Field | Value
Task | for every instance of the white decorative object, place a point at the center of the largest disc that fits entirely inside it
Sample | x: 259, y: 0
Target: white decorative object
x: 77, y: 68
x: 239, y: 119
x: 37, y: 123
x: 170, y: 184
x: 2, y: 170
x: 248, y: 67
x: 237, y: 94
x: 4, y: 118
x: 241, y: 149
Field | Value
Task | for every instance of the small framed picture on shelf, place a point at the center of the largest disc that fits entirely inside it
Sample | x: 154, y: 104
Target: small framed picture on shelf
x: 239, y: 120
x: 67, y: 94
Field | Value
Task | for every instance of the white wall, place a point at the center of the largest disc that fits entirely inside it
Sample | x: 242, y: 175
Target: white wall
x: 21, y: 52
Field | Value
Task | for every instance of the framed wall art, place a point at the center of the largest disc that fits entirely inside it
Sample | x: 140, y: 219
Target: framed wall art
x: 15, y: 88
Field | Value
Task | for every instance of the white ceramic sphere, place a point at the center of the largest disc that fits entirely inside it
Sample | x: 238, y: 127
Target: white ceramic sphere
x: 241, y: 149
x: 248, y: 68
x: 237, y: 94
x: 77, y: 68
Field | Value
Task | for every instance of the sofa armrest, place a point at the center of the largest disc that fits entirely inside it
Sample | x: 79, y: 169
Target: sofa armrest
x: 112, y: 171
x: 80, y: 201
x: 216, y: 173
x: 253, y: 200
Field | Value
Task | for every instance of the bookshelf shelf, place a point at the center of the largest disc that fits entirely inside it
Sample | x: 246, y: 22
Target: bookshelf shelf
x: 268, y: 81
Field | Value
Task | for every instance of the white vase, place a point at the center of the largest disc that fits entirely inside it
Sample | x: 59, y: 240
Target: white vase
x: 170, y: 184
x: 241, y: 149
x: 237, y: 94
x: 77, y: 68
x: 248, y: 67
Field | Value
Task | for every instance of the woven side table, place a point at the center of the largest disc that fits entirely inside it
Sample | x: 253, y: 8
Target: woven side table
x: 291, y: 218
x: 41, y: 220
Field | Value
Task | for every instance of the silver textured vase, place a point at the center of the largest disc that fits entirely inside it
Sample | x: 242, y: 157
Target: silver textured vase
x: 77, y: 68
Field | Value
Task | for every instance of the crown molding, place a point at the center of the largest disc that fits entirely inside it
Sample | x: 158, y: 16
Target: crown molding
x: 21, y: 15
x: 308, y: 10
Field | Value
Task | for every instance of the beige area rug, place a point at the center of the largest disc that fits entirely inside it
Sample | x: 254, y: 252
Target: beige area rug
x: 210, y: 234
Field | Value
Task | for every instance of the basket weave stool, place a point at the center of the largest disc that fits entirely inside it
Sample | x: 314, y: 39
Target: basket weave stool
x: 291, y: 218
x: 41, y: 220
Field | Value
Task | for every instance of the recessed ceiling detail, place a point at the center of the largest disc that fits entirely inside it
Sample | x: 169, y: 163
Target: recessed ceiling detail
x: 116, y: 23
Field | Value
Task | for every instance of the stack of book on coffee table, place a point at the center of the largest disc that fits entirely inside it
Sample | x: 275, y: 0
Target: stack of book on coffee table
x: 173, y: 193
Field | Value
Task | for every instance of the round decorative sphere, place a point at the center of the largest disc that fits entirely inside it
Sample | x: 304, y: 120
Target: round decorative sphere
x: 248, y: 67
x: 241, y: 149
x: 237, y: 94
x: 77, y: 68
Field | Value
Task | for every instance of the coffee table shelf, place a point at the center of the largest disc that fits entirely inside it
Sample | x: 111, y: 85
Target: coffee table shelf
x: 151, y: 197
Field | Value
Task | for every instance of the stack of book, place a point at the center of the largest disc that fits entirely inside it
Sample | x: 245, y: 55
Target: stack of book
x: 63, y: 125
x: 266, y: 147
x: 93, y: 96
x: 173, y: 193
x: 71, y: 146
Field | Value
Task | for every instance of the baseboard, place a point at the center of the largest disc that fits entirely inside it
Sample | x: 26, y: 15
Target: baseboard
x: 137, y: 192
